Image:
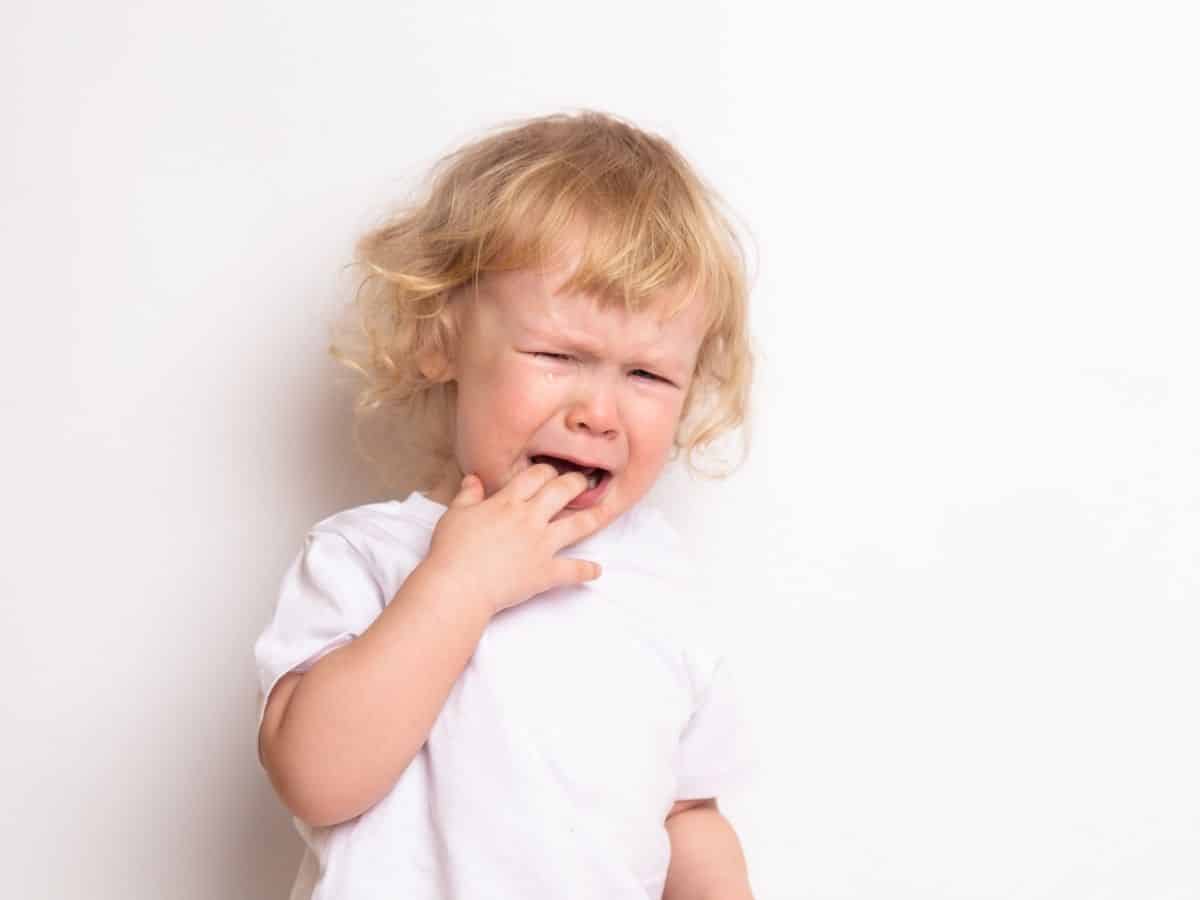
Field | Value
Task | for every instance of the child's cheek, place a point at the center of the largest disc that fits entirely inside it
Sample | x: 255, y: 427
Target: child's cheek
x: 515, y: 389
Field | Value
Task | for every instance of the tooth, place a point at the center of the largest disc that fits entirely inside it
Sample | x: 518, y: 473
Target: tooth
x: 593, y: 478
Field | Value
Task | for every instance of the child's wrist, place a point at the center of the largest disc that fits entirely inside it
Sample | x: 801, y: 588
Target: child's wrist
x: 448, y: 584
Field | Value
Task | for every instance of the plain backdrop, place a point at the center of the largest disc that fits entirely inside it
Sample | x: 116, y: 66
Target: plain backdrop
x: 959, y: 570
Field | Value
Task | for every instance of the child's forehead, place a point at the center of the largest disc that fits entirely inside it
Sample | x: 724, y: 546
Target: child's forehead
x: 588, y: 258
x: 535, y: 298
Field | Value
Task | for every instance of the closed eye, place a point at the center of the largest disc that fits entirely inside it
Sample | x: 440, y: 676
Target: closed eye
x: 650, y: 375
x: 643, y: 374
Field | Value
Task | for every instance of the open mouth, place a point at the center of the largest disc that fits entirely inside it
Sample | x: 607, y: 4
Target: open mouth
x: 594, y: 475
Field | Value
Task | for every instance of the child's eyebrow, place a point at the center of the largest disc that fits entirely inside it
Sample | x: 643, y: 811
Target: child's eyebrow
x: 579, y: 343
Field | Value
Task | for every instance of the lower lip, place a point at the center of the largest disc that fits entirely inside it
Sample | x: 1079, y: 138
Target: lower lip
x: 592, y: 496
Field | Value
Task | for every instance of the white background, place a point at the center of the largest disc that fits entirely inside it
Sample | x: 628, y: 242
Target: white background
x: 960, y: 567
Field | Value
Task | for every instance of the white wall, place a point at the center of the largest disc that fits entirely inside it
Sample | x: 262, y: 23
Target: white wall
x: 962, y: 560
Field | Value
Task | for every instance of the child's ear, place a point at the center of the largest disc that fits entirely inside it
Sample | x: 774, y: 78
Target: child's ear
x: 436, y: 360
x: 436, y: 366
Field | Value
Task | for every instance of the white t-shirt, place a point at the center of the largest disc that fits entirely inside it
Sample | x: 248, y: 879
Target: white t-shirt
x: 582, y: 716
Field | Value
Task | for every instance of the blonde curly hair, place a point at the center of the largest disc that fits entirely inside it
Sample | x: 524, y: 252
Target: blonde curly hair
x: 507, y: 201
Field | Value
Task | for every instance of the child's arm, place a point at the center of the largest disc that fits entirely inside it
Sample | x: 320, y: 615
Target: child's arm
x: 336, y: 739
x: 706, y: 858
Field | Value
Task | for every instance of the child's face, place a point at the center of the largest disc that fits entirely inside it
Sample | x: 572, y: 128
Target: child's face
x: 611, y: 395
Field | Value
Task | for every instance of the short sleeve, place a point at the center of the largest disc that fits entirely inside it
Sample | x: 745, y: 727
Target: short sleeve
x: 329, y: 596
x: 715, y: 750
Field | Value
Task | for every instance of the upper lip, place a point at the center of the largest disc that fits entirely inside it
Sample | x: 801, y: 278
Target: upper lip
x: 575, y: 459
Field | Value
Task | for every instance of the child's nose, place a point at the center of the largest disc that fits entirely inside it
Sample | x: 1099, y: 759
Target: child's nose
x: 594, y: 410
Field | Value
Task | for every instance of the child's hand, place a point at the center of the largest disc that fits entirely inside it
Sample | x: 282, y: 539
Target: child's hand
x: 502, y: 548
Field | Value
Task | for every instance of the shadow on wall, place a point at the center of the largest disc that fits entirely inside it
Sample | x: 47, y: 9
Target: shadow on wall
x: 383, y: 460
x: 324, y: 471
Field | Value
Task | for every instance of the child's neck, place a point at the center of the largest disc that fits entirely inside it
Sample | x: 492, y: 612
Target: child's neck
x: 446, y: 486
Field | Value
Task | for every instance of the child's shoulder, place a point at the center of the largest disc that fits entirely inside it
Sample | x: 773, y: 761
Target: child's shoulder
x: 385, y: 525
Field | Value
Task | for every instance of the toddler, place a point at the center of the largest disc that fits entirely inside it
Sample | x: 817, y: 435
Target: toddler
x: 499, y: 687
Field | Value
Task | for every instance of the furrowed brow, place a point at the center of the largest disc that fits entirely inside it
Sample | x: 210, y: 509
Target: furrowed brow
x: 649, y: 359
x: 570, y: 342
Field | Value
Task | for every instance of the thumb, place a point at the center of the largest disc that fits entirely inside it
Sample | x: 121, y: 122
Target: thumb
x: 470, y: 491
